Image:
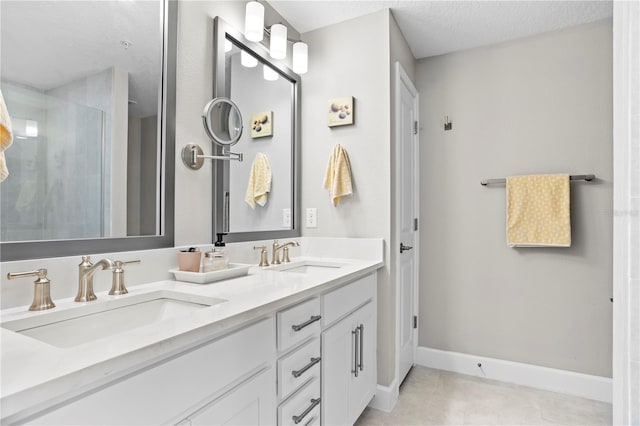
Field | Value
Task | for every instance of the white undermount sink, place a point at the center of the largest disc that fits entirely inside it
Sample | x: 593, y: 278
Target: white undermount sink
x: 309, y: 266
x: 99, y: 319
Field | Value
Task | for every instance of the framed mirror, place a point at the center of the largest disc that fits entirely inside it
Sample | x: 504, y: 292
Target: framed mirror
x: 90, y: 89
x: 267, y: 93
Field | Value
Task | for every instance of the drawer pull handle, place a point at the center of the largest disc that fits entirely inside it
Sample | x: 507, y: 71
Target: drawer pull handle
x: 355, y: 333
x: 298, y: 419
x: 298, y: 373
x: 361, y: 364
x: 311, y: 320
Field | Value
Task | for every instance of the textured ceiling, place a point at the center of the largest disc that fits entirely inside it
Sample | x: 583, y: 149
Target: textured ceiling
x: 437, y: 27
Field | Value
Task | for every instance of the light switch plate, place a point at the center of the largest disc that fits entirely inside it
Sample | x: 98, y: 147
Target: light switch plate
x: 311, y: 218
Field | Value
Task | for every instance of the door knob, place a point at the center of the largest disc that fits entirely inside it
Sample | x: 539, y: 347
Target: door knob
x: 404, y: 248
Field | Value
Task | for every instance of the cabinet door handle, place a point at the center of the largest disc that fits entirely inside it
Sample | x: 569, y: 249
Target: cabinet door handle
x: 298, y: 327
x: 356, y: 341
x: 361, y: 333
x: 314, y: 402
x: 298, y: 373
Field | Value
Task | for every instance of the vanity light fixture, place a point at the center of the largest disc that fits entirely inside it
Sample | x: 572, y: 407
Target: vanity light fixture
x: 254, y: 21
x: 247, y: 60
x: 269, y: 74
x: 278, y: 41
x: 254, y: 31
x: 300, y: 57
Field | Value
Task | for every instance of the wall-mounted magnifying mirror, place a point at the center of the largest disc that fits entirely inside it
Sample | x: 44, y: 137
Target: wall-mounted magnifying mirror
x: 222, y: 121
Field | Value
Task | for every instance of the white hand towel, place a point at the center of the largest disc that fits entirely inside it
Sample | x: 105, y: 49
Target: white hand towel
x: 259, y: 184
x: 6, y: 137
x: 337, y: 178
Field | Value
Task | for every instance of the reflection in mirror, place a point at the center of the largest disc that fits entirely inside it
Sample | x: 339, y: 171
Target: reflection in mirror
x: 222, y: 121
x: 84, y: 85
x: 266, y: 92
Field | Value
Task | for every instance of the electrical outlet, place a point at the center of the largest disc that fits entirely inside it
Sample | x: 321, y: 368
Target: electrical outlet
x: 311, y: 218
x: 286, y: 218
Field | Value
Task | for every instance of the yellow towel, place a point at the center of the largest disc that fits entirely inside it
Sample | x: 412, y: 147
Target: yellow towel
x: 337, y: 178
x: 6, y: 137
x: 538, y: 211
x: 259, y: 184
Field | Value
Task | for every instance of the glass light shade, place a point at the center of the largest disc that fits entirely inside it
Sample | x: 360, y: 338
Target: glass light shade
x: 300, y: 57
x: 278, y: 45
x: 247, y: 60
x: 254, y: 21
x: 227, y: 46
x: 269, y: 74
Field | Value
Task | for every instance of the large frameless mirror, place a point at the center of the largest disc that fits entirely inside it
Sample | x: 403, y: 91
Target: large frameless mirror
x: 258, y: 197
x: 90, y: 89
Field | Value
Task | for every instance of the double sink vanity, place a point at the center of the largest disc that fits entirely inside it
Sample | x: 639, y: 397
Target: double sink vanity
x: 287, y: 344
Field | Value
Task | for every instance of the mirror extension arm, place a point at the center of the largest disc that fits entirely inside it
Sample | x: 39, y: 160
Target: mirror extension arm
x: 193, y: 156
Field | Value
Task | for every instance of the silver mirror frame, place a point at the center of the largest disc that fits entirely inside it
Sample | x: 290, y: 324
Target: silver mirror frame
x: 221, y: 31
x: 207, y: 118
x: 11, y: 251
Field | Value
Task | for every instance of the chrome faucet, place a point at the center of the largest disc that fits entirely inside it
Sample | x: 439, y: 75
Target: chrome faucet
x: 86, y: 270
x: 275, y: 258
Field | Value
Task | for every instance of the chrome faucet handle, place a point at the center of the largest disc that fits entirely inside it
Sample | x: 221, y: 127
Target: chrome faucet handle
x: 41, y: 288
x: 117, y: 284
x: 263, y: 255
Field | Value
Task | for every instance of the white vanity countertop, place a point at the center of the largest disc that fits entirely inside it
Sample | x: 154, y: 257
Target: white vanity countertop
x: 38, y: 374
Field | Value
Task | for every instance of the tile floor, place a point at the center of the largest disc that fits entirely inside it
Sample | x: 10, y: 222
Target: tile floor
x: 435, y: 397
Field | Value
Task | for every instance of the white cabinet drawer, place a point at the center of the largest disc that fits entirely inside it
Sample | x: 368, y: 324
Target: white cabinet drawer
x: 172, y: 388
x: 298, y: 323
x: 340, y: 302
x: 302, y: 407
x: 298, y: 367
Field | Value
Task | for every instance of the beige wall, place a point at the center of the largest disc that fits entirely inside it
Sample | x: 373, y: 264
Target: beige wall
x: 537, y: 105
x: 352, y: 59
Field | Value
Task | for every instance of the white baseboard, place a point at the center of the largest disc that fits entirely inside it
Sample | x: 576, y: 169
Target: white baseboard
x: 385, y: 398
x: 567, y: 382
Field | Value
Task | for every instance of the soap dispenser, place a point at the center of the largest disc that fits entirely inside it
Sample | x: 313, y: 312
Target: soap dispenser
x: 217, y: 259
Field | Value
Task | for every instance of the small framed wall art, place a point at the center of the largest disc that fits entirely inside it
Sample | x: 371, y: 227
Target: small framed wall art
x: 262, y: 124
x: 341, y: 111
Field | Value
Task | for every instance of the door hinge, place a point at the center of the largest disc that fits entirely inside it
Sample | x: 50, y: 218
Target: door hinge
x: 415, y: 224
x: 415, y: 127
x: 415, y: 321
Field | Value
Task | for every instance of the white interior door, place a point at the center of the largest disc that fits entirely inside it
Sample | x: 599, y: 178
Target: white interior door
x: 407, y: 205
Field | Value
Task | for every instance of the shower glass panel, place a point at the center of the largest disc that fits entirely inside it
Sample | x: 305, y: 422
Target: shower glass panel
x: 56, y: 188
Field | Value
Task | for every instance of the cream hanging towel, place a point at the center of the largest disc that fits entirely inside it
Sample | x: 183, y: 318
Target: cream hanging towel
x: 259, y: 184
x: 337, y: 178
x: 538, y: 211
x: 6, y: 137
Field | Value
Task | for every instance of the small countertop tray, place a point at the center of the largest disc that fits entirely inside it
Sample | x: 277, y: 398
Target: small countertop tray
x: 234, y: 270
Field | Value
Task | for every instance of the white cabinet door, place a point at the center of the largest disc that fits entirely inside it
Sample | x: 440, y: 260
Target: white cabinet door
x: 349, y: 369
x: 363, y: 386
x: 337, y: 363
x: 252, y: 403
